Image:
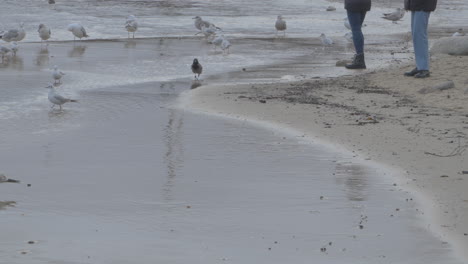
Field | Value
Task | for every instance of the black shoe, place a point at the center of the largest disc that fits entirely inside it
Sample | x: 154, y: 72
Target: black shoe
x: 422, y: 74
x: 413, y: 72
x: 358, y: 62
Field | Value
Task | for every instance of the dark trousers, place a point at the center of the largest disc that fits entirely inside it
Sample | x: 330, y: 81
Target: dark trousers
x: 356, y: 19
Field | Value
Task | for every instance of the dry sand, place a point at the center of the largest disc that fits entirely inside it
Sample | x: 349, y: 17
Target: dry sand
x: 380, y: 116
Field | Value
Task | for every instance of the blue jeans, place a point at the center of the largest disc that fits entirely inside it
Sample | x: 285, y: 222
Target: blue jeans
x: 355, y: 21
x: 419, y: 22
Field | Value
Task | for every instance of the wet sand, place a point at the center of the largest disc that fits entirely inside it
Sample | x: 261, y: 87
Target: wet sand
x: 122, y: 166
x: 378, y: 116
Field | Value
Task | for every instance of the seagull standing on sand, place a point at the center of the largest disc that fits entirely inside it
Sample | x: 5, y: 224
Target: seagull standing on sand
x: 78, y: 31
x: 459, y: 33
x: 217, y: 41
x: 394, y: 16
x: 280, y: 25
x: 57, y: 99
x: 208, y: 32
x: 3, y: 51
x: 44, y: 32
x: 199, y: 22
x: 326, y: 41
x: 225, y: 45
x: 14, y: 34
x: 131, y: 25
x: 57, y: 74
x: 197, y: 68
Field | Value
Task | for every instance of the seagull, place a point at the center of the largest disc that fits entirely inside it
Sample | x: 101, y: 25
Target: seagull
x: 280, y: 25
x: 326, y: 41
x: 57, y: 99
x: 44, y: 32
x: 217, y: 41
x: 14, y: 34
x: 197, y: 68
x: 394, y: 16
x: 459, y: 33
x: 3, y: 51
x: 346, y: 23
x: 225, y: 45
x: 78, y: 31
x: 131, y: 25
x: 57, y: 74
x: 14, y: 47
x: 199, y: 22
x: 208, y: 31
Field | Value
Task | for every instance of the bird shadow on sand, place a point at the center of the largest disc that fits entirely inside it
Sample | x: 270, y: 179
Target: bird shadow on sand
x: 195, y: 84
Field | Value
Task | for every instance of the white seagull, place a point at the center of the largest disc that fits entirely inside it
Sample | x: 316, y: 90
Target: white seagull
x: 459, y: 33
x: 44, y: 32
x: 280, y: 25
x: 13, y: 34
x: 326, y: 41
x: 57, y: 74
x: 225, y: 45
x: 57, y: 99
x: 78, y: 31
x: 217, y: 41
x: 131, y: 25
x: 394, y: 16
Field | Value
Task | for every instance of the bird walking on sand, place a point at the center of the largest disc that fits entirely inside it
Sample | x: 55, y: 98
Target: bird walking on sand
x: 16, y: 34
x: 394, y: 16
x: 131, y: 25
x: 197, y: 68
x: 326, y: 41
x: 57, y: 75
x: 280, y: 25
x: 4, y: 51
x: 44, y: 32
x: 57, y: 99
x: 78, y: 31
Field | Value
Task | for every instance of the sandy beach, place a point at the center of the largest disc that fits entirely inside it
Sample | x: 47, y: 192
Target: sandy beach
x: 380, y: 116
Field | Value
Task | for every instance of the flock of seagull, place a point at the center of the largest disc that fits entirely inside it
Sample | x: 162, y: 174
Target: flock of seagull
x: 212, y: 33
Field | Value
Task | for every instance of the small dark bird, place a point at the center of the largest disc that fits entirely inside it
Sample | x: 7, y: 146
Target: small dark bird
x: 197, y: 68
x: 51, y: 2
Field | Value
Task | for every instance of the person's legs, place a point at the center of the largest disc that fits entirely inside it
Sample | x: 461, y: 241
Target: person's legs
x: 420, y: 21
x: 355, y: 21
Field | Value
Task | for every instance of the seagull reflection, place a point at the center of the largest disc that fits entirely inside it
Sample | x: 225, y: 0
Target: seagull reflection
x: 173, y: 158
x: 130, y: 44
x: 77, y: 51
x: 42, y: 58
x: 355, y: 179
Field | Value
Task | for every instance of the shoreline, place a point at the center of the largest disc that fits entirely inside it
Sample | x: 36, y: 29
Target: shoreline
x: 379, y: 116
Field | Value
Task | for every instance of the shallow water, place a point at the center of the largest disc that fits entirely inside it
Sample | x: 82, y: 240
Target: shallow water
x: 122, y: 177
x: 138, y: 182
